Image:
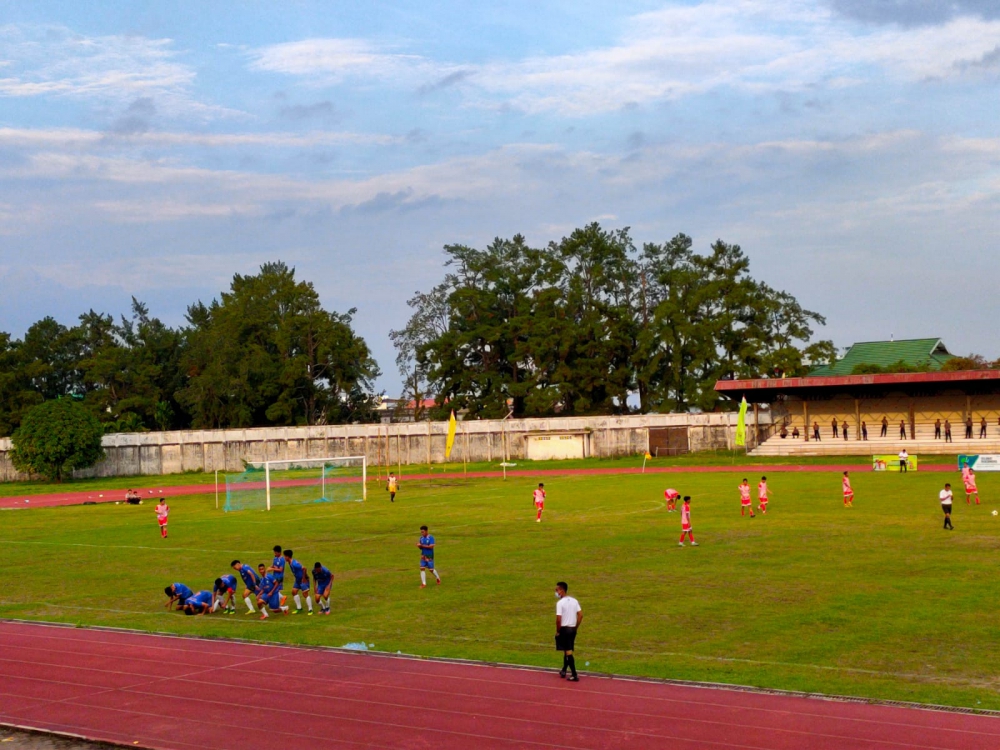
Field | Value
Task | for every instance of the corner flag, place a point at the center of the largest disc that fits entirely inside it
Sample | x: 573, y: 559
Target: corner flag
x: 741, y: 424
x: 450, y: 443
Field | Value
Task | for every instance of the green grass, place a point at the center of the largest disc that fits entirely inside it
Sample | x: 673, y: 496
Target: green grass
x: 875, y: 601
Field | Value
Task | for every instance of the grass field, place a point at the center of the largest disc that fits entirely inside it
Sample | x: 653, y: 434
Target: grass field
x: 876, y: 601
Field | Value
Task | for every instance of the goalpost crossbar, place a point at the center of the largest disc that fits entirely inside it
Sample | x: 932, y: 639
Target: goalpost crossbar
x: 264, y: 484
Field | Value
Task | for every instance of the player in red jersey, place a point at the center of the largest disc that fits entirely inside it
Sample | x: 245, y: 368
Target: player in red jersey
x: 686, y: 522
x: 762, y: 494
x: 539, y: 496
x: 671, y: 496
x: 848, y: 492
x: 970, y: 488
x: 162, y: 510
x: 746, y: 504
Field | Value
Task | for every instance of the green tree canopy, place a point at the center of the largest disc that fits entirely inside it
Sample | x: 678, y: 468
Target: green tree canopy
x: 55, y: 438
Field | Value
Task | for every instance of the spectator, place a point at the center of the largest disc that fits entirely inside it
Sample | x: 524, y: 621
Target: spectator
x: 843, y: 428
x: 947, y: 431
x: 982, y: 428
x: 968, y: 428
x: 902, y: 429
x: 864, y: 430
x: 815, y: 430
x: 795, y: 431
x: 937, y: 429
x: 885, y: 426
x: 833, y: 424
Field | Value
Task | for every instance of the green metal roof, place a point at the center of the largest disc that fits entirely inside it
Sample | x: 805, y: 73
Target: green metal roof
x: 928, y: 354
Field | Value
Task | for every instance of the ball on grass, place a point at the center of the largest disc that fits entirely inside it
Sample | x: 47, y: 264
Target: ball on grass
x: 994, y: 513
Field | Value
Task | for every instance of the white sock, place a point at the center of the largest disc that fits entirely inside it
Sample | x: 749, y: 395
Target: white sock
x: 435, y: 574
x: 249, y: 603
x: 263, y: 611
x: 423, y: 578
x: 298, y: 601
x: 309, y: 602
x: 326, y: 603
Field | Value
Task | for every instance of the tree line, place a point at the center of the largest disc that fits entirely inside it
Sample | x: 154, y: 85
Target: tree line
x: 264, y: 353
x: 582, y: 324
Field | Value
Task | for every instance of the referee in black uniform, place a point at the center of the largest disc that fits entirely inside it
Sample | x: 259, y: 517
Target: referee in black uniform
x: 568, y: 619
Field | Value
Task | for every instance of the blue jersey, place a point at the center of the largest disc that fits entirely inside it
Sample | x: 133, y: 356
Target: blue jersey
x: 298, y: 571
x: 428, y: 540
x: 182, y: 591
x: 279, y: 563
x: 250, y: 577
x: 228, y: 582
x: 268, y: 584
x: 201, y: 598
x: 323, y: 576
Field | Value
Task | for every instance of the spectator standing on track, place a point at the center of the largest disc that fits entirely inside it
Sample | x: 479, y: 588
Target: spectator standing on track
x: 947, y: 431
x: 937, y: 429
x: 904, y: 460
x: 569, y: 615
x: 864, y: 430
x: 945, y: 496
x: 968, y: 428
x: 885, y: 426
x: 982, y: 427
x: 833, y: 424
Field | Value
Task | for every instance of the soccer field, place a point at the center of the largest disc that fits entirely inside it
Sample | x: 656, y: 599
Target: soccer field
x: 876, y: 600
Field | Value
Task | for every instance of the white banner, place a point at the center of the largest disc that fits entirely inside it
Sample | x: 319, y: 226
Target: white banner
x: 983, y: 462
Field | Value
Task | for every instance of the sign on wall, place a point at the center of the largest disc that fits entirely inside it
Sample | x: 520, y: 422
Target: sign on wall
x: 890, y: 462
x: 981, y: 462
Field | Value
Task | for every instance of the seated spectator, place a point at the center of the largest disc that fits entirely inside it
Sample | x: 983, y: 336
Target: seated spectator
x: 795, y: 431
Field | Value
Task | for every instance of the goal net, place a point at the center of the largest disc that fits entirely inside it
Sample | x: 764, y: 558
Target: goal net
x: 266, y: 484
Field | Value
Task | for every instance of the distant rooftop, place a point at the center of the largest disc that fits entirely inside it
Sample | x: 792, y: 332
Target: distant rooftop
x: 926, y: 354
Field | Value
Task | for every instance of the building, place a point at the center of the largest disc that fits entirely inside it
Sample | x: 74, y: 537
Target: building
x: 912, y: 404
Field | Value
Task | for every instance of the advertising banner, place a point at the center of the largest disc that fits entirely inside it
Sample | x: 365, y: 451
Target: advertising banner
x: 981, y: 462
x: 890, y: 462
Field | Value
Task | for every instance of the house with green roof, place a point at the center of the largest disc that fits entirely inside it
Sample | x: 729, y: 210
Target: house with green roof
x: 926, y: 355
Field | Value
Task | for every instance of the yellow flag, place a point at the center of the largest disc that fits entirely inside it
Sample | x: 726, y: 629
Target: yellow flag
x: 452, y: 425
x: 741, y: 424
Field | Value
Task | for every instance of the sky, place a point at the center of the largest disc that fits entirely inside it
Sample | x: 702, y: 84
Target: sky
x: 851, y: 147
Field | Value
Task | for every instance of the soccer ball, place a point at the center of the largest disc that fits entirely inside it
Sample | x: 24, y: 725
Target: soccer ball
x: 994, y: 513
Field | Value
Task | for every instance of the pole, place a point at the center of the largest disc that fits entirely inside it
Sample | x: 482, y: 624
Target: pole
x: 267, y: 482
x: 322, y: 481
x: 399, y: 456
x: 216, y: 489
x: 364, y: 478
x: 465, y: 453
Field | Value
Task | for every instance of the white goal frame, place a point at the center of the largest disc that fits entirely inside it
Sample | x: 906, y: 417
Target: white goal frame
x: 320, y: 460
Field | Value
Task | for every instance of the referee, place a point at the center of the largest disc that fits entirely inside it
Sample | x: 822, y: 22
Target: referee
x: 568, y: 619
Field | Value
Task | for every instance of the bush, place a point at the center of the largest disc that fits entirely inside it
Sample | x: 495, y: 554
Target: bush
x: 56, y: 437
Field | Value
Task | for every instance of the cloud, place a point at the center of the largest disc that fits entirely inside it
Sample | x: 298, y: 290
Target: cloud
x: 136, y: 118
x: 914, y: 12
x: 75, y: 139
x: 320, y: 110
x: 449, y: 80
x: 330, y: 61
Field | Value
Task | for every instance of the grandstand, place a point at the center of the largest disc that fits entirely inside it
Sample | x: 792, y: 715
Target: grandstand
x: 915, y: 399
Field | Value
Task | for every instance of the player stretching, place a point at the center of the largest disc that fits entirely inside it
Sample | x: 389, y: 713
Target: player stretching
x: 225, y: 594
x: 199, y: 603
x: 162, y: 509
x: 762, y: 494
x: 269, y: 593
x: 746, y: 504
x: 970, y: 488
x: 301, y: 585
x: 848, y: 492
x: 392, y: 487
x: 177, y: 592
x: 671, y: 496
x: 539, y: 497
x: 324, y: 582
x: 686, y: 522
x: 251, y: 581
x: 426, y: 546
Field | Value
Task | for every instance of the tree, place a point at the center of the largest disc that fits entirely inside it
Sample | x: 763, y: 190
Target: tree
x: 57, y: 437
x: 428, y: 322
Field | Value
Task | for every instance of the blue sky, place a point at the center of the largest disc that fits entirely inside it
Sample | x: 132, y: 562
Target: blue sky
x: 152, y: 149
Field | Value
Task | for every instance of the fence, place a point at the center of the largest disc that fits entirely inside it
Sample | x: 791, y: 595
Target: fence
x: 134, y: 454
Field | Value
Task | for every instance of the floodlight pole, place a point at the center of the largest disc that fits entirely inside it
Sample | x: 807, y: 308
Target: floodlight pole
x: 267, y: 482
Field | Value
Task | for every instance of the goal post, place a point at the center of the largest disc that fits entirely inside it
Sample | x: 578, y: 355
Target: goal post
x: 266, y: 484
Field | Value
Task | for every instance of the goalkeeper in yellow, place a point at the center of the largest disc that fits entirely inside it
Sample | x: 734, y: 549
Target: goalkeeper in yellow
x: 392, y: 487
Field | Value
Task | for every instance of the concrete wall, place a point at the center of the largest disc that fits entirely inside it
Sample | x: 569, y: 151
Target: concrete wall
x: 132, y: 454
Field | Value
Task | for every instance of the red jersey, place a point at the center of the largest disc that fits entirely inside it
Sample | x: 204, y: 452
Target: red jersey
x: 762, y: 490
x: 539, y: 496
x: 686, y: 517
x: 847, y: 486
x: 671, y: 494
x: 745, y: 494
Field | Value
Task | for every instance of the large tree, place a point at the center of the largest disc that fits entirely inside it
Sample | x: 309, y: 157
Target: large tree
x: 55, y: 438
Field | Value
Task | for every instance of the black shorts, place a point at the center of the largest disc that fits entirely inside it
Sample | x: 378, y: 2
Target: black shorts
x: 946, y: 508
x: 566, y: 639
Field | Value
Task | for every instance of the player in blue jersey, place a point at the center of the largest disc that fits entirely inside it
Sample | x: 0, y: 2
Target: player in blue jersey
x: 426, y: 546
x: 250, y: 580
x: 277, y: 569
x: 301, y: 585
x: 177, y: 592
x: 324, y: 582
x: 269, y: 594
x: 225, y: 594
x: 198, y: 604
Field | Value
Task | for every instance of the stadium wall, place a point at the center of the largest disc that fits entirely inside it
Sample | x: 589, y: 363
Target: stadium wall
x: 144, y: 453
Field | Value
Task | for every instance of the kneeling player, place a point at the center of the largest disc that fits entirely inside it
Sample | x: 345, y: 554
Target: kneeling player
x: 250, y: 580
x: 301, y: 584
x: 671, y: 496
x: 324, y: 582
x: 225, y: 594
x: 198, y: 604
x: 970, y: 488
x: 269, y: 593
x: 177, y: 592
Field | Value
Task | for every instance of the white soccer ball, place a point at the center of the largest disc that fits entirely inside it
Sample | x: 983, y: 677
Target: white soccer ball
x: 994, y: 513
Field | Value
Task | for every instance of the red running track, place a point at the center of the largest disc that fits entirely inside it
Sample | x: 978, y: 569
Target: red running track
x: 172, y: 692
x: 78, y: 497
